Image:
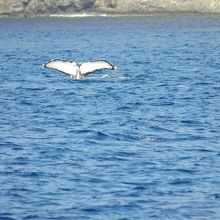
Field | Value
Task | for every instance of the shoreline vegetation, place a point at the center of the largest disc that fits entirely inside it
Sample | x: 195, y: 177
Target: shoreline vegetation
x: 104, y: 8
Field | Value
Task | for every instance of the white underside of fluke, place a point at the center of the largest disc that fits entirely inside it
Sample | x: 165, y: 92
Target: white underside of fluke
x: 78, y: 70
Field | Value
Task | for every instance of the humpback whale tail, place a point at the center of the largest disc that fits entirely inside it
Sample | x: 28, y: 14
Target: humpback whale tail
x: 78, y: 70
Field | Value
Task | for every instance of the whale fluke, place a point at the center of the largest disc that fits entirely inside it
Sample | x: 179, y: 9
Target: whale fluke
x: 78, y: 70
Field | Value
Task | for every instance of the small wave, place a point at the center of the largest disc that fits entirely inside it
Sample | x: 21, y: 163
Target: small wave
x: 91, y: 210
x: 82, y: 131
x: 114, y: 78
x: 5, y: 215
x: 165, y: 103
x: 137, y: 137
x: 181, y: 182
x: 101, y: 136
x: 216, y: 195
x: 109, y: 77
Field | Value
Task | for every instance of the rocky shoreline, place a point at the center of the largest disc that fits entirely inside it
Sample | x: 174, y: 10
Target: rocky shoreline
x: 33, y: 8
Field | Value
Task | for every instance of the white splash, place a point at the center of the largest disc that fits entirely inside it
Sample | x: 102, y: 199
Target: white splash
x: 83, y: 15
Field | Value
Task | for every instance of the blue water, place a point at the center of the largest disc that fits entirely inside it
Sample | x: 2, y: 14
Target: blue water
x: 139, y: 143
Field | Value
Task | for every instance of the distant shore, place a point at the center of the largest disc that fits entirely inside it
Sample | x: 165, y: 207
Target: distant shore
x: 47, y: 8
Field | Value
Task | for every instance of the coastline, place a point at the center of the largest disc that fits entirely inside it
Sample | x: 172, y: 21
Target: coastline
x: 104, y: 8
x: 112, y: 15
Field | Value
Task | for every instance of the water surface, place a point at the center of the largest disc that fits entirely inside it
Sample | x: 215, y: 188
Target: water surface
x: 139, y: 143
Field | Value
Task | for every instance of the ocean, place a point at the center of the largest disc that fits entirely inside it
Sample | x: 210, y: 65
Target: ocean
x: 142, y: 142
